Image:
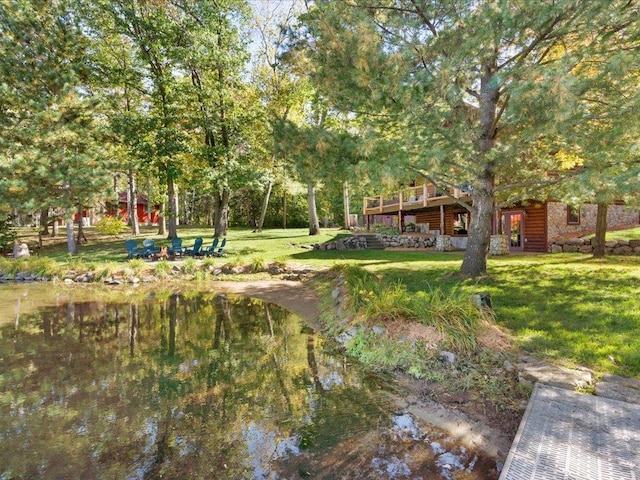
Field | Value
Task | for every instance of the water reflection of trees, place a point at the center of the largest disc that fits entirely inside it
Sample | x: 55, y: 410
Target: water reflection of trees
x: 173, y: 386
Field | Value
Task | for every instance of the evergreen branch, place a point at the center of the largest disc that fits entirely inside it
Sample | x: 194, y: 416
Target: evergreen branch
x: 543, y: 36
x: 424, y: 18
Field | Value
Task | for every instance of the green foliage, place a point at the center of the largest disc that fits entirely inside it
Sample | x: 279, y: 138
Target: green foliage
x: 257, y: 265
x: 137, y: 266
x: 7, y: 234
x: 44, y: 267
x: 163, y: 268
x: 190, y: 266
x: 384, y: 229
x: 452, y: 313
x: 389, y: 353
x: 209, y: 262
x: 110, y: 226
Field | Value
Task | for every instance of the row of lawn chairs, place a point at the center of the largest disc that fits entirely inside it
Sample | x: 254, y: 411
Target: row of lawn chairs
x: 149, y: 248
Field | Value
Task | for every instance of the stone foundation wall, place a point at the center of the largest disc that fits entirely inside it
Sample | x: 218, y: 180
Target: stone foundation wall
x: 443, y: 243
x: 583, y: 245
x: 499, y: 245
x: 617, y: 216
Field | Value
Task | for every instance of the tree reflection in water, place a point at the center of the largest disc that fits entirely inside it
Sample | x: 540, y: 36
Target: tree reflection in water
x: 176, y: 386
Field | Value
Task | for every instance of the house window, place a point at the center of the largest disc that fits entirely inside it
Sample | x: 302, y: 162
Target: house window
x: 460, y: 223
x: 573, y: 215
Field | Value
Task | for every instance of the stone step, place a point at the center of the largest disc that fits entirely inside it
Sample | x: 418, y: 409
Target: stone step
x: 373, y: 242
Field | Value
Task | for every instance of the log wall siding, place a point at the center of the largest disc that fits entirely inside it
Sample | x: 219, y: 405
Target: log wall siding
x: 432, y: 217
x: 535, y: 226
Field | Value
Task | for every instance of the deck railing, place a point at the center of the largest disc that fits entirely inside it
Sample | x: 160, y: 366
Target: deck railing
x: 411, y: 197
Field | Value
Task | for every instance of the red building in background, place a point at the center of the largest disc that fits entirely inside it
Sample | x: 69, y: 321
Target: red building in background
x: 142, y: 209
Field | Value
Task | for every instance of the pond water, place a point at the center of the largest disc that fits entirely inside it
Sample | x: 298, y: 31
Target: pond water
x: 198, y: 385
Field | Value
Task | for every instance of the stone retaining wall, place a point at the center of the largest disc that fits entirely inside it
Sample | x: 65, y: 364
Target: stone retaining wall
x: 350, y: 243
x: 584, y: 245
x: 407, y: 241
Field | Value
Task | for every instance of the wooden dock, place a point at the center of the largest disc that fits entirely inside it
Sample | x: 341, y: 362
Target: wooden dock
x: 573, y: 436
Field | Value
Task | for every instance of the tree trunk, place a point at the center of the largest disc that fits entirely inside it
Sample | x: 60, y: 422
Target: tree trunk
x: 71, y: 244
x: 173, y: 214
x: 132, y: 198
x: 149, y: 207
x: 162, y: 222
x: 314, y: 225
x: 221, y: 216
x: 599, y: 249
x: 345, y: 200
x: 265, y: 204
x: 44, y: 221
x: 475, y: 257
x: 81, y: 237
x: 474, y: 262
x: 284, y: 211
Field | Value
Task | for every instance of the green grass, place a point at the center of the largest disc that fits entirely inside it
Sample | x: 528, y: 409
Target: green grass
x: 628, y: 234
x: 570, y: 308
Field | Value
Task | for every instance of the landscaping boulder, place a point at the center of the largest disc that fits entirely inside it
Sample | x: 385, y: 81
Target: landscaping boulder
x: 21, y: 250
x: 623, y: 250
x: 619, y: 388
x: 531, y: 371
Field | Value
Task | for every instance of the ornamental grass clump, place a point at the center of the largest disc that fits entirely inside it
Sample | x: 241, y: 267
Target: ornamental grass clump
x: 44, y: 267
x: 189, y: 266
x: 257, y: 265
x: 361, y: 286
x: 163, y: 269
x: 389, y: 302
x: 453, y: 314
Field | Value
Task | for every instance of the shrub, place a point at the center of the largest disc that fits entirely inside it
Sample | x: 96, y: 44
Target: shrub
x: 7, y: 235
x: 163, y: 268
x: 257, y: 265
x: 189, y: 266
x: 384, y: 229
x: 137, y: 265
x: 453, y: 314
x: 111, y: 226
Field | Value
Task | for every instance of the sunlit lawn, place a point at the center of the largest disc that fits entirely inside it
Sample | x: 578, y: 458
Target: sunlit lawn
x: 568, y: 307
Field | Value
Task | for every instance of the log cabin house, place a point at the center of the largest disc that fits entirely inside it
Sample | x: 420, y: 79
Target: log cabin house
x: 529, y: 226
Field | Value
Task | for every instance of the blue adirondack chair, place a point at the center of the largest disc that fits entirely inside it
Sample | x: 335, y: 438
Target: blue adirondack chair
x: 195, y: 250
x: 218, y: 252
x: 149, y: 247
x: 175, y: 249
x: 132, y: 249
x: 210, y: 250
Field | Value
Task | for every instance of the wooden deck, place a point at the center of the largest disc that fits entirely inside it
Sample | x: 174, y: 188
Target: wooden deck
x: 412, y: 199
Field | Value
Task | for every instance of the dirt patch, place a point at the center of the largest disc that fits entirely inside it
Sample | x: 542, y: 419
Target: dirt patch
x: 491, y: 336
x: 413, y: 331
x: 296, y: 297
